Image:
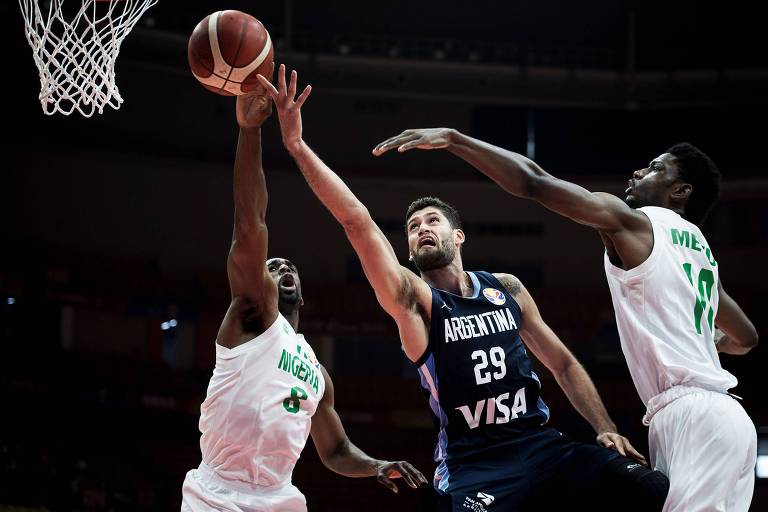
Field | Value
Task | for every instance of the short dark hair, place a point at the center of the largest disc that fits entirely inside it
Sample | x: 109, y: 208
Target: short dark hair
x: 448, y: 210
x: 696, y: 168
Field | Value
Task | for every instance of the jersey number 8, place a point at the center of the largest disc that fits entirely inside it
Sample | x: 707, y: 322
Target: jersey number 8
x: 293, y: 404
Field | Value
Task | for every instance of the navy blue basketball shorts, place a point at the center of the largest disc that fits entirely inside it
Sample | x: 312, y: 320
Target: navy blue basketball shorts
x: 537, y: 470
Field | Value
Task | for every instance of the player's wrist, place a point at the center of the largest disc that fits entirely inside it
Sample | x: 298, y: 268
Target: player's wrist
x: 250, y: 128
x: 294, y: 146
x: 607, y: 428
x: 453, y: 136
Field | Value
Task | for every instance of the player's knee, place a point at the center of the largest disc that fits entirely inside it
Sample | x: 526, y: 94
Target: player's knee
x: 647, y: 488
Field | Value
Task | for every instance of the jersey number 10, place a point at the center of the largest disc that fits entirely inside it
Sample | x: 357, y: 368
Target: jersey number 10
x: 703, y: 289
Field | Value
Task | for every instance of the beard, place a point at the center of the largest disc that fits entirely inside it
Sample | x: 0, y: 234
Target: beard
x: 439, y: 258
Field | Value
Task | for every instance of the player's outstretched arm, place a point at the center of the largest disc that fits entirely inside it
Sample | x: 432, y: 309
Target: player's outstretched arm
x: 568, y: 372
x: 399, y: 291
x: 339, y: 454
x: 254, y: 293
x: 736, y: 334
x: 522, y: 177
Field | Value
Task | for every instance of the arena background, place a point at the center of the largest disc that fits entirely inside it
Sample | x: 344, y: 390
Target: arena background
x: 115, y: 224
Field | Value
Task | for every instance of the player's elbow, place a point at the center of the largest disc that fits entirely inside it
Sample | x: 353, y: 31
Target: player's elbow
x: 534, y: 185
x: 249, y: 227
x: 751, y: 340
x: 356, y: 218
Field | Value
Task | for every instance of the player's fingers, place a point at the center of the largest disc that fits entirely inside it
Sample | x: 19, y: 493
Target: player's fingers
x: 386, y: 482
x: 411, y: 145
x: 281, y: 80
x: 606, y: 441
x: 414, y: 475
x: 404, y: 472
x: 303, y: 96
x: 292, y: 85
x: 619, y: 447
x: 381, y: 147
x: 639, y: 457
x: 391, y: 143
x: 395, y: 142
x: 271, y: 91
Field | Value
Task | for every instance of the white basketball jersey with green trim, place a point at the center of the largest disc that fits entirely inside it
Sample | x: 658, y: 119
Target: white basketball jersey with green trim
x: 665, y: 310
x: 258, y: 411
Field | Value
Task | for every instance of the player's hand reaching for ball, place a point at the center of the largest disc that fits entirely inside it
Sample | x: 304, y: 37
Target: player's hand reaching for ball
x: 423, y: 138
x: 386, y: 472
x: 288, y: 106
x: 253, y: 108
x: 621, y: 444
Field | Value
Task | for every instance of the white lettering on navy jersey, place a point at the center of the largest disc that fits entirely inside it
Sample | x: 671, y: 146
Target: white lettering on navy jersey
x: 492, y: 406
x: 475, y: 326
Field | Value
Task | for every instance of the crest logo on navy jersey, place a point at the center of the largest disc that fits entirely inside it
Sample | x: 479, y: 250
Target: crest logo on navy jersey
x: 494, y: 296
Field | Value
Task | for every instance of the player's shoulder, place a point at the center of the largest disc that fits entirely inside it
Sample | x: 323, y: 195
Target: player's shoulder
x: 511, y: 283
x: 629, y: 217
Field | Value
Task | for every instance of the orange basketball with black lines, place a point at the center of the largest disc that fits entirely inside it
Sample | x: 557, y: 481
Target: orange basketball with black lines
x: 227, y: 50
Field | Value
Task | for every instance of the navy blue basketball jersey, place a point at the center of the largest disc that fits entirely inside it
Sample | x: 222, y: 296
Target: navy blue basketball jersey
x: 476, y: 373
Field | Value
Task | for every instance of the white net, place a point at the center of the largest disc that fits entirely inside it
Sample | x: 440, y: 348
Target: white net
x: 76, y: 53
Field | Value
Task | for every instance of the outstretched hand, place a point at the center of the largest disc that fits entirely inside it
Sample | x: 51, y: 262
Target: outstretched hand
x: 253, y: 108
x: 621, y: 444
x: 288, y: 108
x: 386, y: 472
x: 423, y: 138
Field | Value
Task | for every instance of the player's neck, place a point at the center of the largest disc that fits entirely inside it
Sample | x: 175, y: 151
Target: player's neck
x: 450, y: 278
x: 677, y: 207
x: 292, y: 315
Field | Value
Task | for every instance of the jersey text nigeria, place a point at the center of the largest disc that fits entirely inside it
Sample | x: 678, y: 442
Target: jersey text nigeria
x: 300, y: 367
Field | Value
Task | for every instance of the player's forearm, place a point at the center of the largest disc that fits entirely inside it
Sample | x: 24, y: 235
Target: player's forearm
x: 249, y: 183
x: 728, y: 345
x: 351, y: 461
x: 511, y: 171
x: 327, y: 186
x: 581, y: 392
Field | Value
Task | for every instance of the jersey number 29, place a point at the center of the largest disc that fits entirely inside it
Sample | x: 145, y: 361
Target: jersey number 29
x: 496, y: 356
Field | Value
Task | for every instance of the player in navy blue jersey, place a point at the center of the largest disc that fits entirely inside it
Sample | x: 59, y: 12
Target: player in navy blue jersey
x: 468, y: 333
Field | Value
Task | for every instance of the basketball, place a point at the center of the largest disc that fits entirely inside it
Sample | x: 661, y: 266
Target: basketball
x: 227, y: 50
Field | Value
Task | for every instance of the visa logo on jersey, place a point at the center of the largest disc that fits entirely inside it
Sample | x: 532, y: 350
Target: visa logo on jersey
x: 496, y: 411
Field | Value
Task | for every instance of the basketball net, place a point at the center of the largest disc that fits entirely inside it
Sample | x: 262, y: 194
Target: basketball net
x: 76, y: 57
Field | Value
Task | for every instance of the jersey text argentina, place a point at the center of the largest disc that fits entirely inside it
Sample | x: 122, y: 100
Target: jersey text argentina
x: 476, y: 372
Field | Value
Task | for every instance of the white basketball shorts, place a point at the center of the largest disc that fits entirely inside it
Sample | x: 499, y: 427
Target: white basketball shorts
x: 205, y: 491
x: 707, y: 446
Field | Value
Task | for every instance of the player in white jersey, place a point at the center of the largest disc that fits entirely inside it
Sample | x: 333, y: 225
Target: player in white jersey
x: 668, y: 299
x: 268, y: 392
